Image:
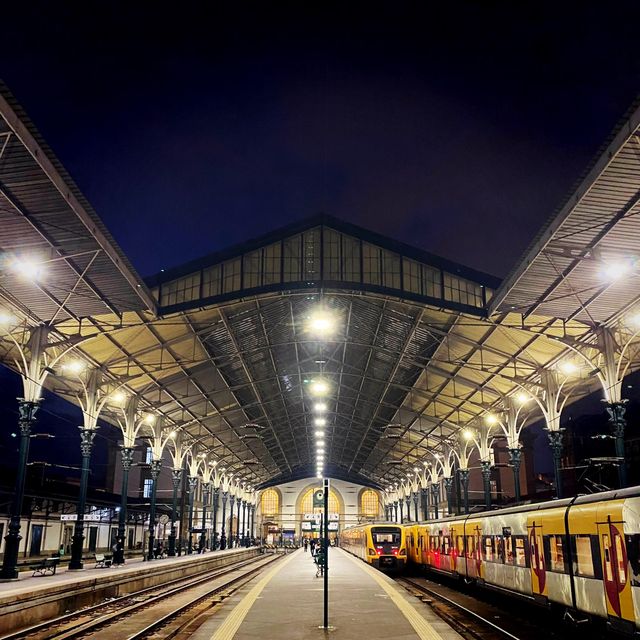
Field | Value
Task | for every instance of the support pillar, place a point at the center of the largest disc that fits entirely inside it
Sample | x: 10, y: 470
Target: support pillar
x: 435, y: 492
x: 86, y: 444
x: 127, y: 462
x: 407, y: 501
x: 401, y: 510
x: 176, y: 478
x: 206, y: 488
x: 232, y: 501
x: 27, y: 414
x: 424, y: 498
x: 515, y: 456
x: 448, y: 485
x: 223, y: 537
x: 155, y: 472
x: 214, y: 521
x: 485, y: 465
x: 395, y: 509
x: 616, y: 411
x: 193, y: 483
x: 555, y: 440
x: 464, y: 479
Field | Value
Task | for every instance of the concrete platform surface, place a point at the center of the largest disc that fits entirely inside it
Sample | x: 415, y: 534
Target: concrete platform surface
x: 286, y: 603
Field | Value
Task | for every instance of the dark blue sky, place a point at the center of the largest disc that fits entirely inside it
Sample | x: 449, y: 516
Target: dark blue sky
x: 457, y: 130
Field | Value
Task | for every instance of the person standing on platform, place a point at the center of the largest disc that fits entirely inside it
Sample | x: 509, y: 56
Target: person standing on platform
x: 306, y: 544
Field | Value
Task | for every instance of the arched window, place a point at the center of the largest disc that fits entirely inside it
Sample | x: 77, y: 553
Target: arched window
x: 270, y: 502
x: 369, y: 503
x: 307, y: 503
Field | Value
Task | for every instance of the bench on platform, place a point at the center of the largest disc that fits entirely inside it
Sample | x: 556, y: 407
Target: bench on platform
x: 45, y: 566
x: 102, y: 561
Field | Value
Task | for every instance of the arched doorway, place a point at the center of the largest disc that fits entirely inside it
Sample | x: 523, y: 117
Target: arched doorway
x: 310, y: 526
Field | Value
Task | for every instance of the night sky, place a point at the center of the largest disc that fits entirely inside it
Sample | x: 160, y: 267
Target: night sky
x: 458, y: 131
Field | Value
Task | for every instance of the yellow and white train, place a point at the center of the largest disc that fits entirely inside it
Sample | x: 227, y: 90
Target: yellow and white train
x: 382, y: 545
x: 581, y: 553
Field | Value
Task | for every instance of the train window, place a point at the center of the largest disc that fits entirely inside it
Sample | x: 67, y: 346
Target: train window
x: 521, y: 554
x: 446, y: 545
x: 488, y: 548
x: 583, y: 562
x: 500, y: 549
x: 460, y: 545
x: 508, y: 549
x: 471, y: 547
x: 554, y: 550
x: 608, y: 573
x: 380, y: 536
x: 622, y: 569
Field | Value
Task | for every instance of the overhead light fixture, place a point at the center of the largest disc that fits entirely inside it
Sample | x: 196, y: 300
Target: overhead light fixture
x: 319, y: 433
x: 491, y: 419
x: 467, y: 434
x: 118, y: 397
x: 75, y: 366
x: 522, y: 397
x: 615, y: 269
x: 6, y: 318
x: 28, y: 268
x: 321, y: 323
x: 150, y: 419
x: 567, y: 367
x: 319, y: 407
x: 173, y: 434
x: 320, y: 422
x: 319, y: 387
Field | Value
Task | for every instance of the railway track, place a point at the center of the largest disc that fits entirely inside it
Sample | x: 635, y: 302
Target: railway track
x: 163, y: 611
x: 469, y: 618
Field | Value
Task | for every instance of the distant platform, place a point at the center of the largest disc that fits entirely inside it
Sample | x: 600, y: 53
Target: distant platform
x: 286, y: 603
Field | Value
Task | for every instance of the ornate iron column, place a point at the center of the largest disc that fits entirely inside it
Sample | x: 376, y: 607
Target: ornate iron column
x: 155, y: 472
x: 86, y: 444
x: 395, y: 510
x: 223, y: 537
x: 448, y: 485
x: 27, y: 414
x: 193, y: 483
x: 214, y: 521
x: 206, y: 488
x: 176, y: 478
x: 464, y: 479
x: 400, y: 502
x: 127, y: 462
x: 616, y: 411
x: 515, y: 457
x: 233, y: 501
x: 435, y: 493
x: 415, y: 507
x: 485, y: 465
x: 555, y: 440
x: 407, y: 501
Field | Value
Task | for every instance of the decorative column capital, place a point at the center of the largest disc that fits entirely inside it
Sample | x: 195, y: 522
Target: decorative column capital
x: 176, y: 477
x: 464, y: 474
x: 86, y: 441
x: 515, y: 455
x: 233, y: 500
x: 555, y: 439
x: 225, y: 495
x: 127, y: 458
x: 156, y: 465
x: 193, y: 483
x: 27, y: 410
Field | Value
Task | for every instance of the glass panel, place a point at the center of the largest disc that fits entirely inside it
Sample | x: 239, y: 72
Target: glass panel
x: 622, y: 570
x: 431, y: 282
x: 390, y: 270
x: 181, y: 290
x: 521, y: 556
x: 462, y: 291
x: 488, y: 549
x: 331, y: 249
x: 269, y: 502
x: 292, y: 259
x: 370, y: 263
x: 556, y: 554
x: 252, y: 269
x: 607, y: 558
x: 369, y: 503
x: 411, y: 276
x: 351, y: 259
x: 212, y: 281
x: 584, y: 559
x: 311, y: 245
x: 272, y: 255
x: 231, y: 277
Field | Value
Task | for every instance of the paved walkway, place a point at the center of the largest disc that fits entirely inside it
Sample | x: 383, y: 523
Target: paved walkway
x: 286, y: 603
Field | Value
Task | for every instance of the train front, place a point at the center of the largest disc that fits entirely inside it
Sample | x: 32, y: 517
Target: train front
x: 387, y: 548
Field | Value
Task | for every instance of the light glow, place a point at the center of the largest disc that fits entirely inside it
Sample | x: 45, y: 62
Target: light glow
x: 320, y: 407
x: 491, y: 419
x: 118, y: 397
x: 75, y: 366
x: 149, y: 418
x: 27, y: 268
x: 319, y: 433
x: 319, y: 387
x: 568, y: 368
x: 321, y: 323
x: 616, y: 269
x: 467, y: 434
x: 522, y: 397
x: 6, y: 318
x: 320, y: 422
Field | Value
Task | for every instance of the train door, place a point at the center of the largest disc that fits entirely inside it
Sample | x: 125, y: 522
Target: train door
x: 615, y: 566
x: 474, y: 549
x: 539, y: 585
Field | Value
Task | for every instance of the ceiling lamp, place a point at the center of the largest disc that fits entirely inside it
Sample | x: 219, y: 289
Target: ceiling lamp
x: 27, y: 268
x: 319, y: 387
x: 320, y: 422
x: 321, y: 323
x: 320, y: 407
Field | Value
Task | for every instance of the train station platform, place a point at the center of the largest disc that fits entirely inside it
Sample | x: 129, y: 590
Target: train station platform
x: 287, y: 603
x: 32, y: 599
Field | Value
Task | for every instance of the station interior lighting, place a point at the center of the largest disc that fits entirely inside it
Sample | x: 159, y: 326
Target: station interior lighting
x: 150, y: 419
x: 567, y: 367
x: 522, y: 397
x: 118, y: 397
x: 75, y: 366
x: 491, y: 419
x: 321, y: 323
x: 319, y: 387
x: 467, y: 434
x: 320, y: 422
x: 28, y: 268
x: 173, y: 434
x: 614, y: 270
x: 319, y: 433
x: 6, y: 318
x: 320, y: 407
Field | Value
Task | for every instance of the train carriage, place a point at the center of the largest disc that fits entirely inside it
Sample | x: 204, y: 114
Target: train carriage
x: 382, y: 545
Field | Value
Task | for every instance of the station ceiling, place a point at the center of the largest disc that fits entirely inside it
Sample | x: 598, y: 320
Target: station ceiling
x: 220, y: 347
